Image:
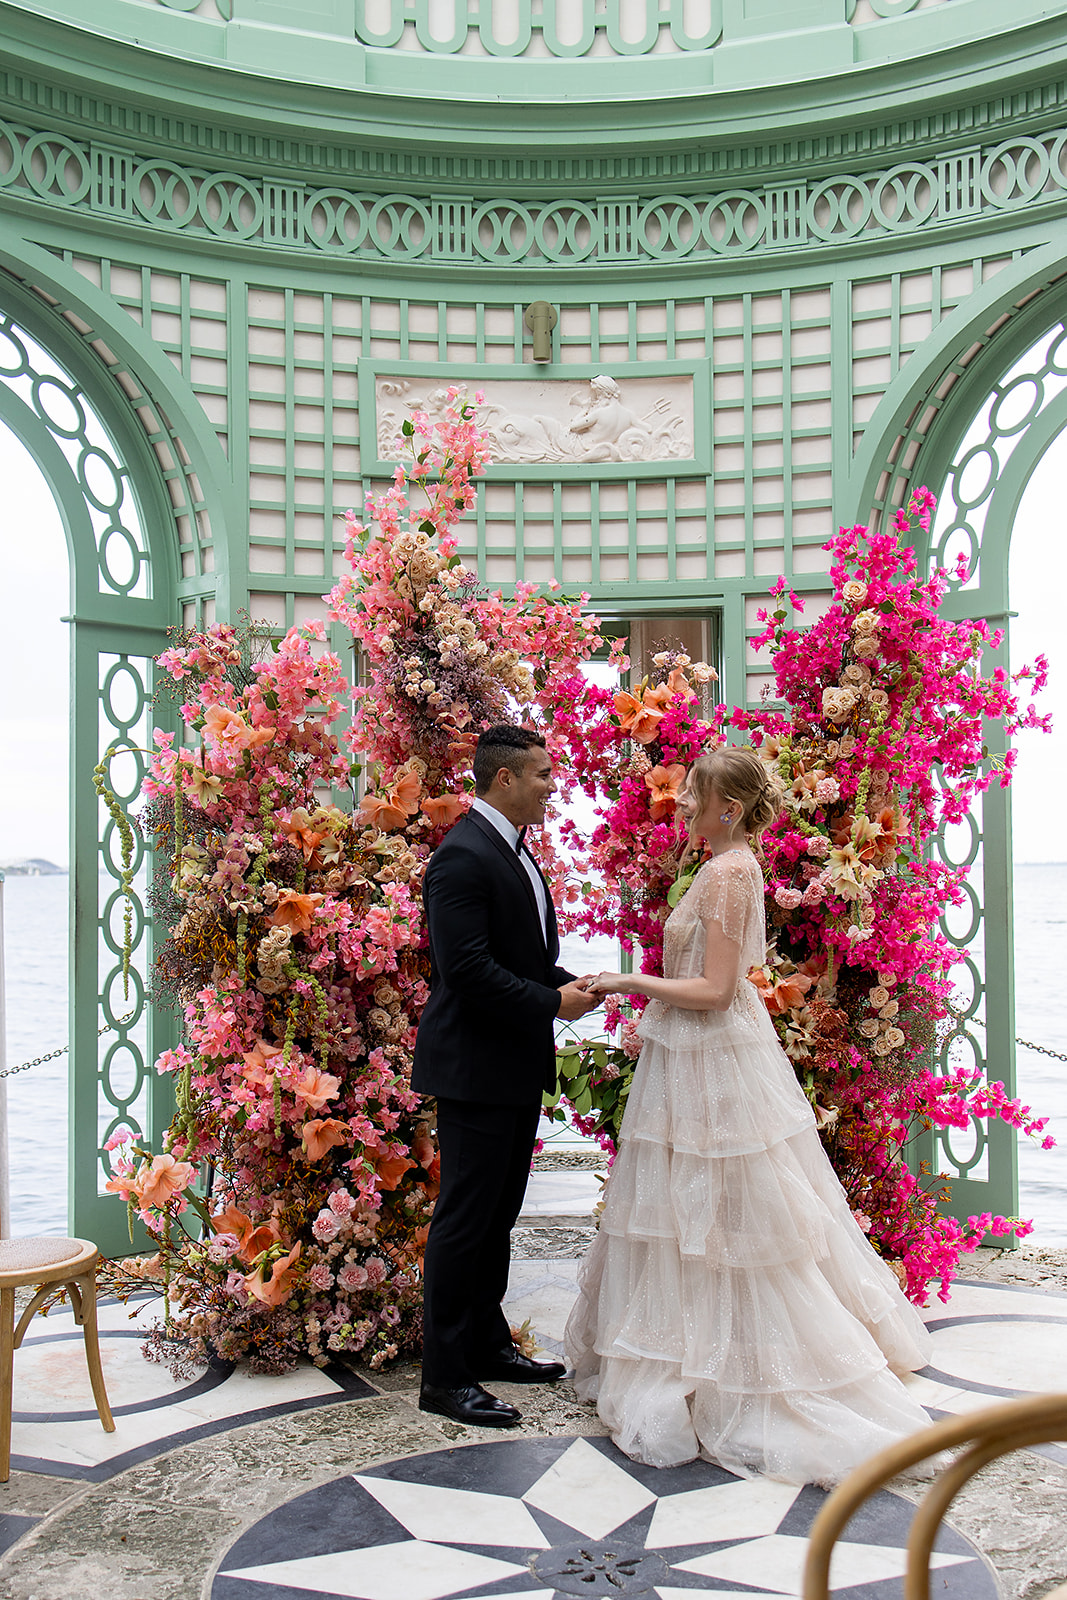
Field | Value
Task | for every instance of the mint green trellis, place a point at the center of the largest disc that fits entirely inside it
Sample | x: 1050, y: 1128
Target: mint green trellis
x: 121, y: 604
x: 977, y: 443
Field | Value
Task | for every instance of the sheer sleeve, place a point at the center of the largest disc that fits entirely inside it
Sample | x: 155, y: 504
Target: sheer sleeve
x: 724, y: 895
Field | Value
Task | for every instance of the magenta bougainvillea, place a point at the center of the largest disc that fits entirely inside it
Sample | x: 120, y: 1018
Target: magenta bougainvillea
x: 879, y: 743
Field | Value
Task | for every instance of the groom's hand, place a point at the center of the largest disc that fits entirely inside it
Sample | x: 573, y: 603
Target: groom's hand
x: 575, y: 1001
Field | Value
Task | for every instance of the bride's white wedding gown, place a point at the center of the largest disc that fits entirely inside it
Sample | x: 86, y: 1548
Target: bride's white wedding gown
x: 730, y: 1305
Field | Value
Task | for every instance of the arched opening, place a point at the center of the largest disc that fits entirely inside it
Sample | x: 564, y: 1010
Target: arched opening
x: 1037, y: 575
x: 116, y: 612
x: 1001, y: 509
x: 35, y: 836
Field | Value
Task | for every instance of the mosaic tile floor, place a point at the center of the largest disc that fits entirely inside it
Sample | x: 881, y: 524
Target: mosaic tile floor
x: 549, y: 1518
x: 490, y: 1519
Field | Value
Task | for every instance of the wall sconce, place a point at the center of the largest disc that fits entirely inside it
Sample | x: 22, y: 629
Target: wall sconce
x: 541, y: 318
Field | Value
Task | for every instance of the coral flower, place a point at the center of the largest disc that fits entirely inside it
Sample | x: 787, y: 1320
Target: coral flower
x: 275, y: 1290
x: 637, y: 719
x: 678, y: 683
x: 781, y: 994
x: 322, y: 1134
x: 294, y: 911
x: 298, y: 831
x: 391, y: 1169
x: 259, y: 1063
x: 444, y: 810
x: 230, y: 732
x: 316, y: 1087
x: 392, y: 809
x: 162, y: 1180
x: 234, y: 1221
x: 666, y: 785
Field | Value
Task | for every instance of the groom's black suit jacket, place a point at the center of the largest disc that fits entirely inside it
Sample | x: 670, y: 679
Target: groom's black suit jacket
x: 486, y: 1032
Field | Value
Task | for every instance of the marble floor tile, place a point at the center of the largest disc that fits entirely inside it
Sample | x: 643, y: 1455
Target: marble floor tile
x: 586, y: 1490
x: 742, y: 1510
x: 777, y: 1562
x: 558, y: 1194
x: 384, y: 1572
x: 430, y: 1512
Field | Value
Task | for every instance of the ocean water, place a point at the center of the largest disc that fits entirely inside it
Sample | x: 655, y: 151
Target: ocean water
x: 35, y: 964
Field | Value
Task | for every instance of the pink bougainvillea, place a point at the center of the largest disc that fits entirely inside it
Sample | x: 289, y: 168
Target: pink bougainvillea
x: 878, y: 745
x: 295, y: 948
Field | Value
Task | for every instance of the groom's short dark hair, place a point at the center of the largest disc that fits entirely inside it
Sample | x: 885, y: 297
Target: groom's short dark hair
x: 504, y: 745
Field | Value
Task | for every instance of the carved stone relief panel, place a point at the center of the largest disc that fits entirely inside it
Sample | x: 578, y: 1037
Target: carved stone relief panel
x: 565, y: 421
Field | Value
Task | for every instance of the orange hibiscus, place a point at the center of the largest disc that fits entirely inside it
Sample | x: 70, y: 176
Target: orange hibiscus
x: 251, y: 1240
x: 666, y: 785
x: 444, y: 810
x: 274, y: 1290
x: 322, y: 1134
x: 294, y: 911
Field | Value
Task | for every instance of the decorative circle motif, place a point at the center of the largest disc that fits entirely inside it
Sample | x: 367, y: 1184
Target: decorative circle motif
x: 735, y: 222
x: 669, y: 226
x: 57, y: 169
x: 52, y: 398
x: 501, y: 232
x: 165, y: 192
x: 14, y: 360
x: 1013, y: 408
x: 567, y: 1516
x: 335, y: 220
x: 400, y: 226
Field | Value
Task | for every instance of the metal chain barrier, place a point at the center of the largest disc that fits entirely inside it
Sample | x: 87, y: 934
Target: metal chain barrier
x: 53, y: 1055
x: 1042, y: 1049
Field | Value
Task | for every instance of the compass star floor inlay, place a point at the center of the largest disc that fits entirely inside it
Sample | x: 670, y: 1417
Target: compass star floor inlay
x: 547, y: 1519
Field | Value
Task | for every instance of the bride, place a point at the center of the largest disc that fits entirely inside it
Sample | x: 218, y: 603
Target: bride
x: 730, y: 1306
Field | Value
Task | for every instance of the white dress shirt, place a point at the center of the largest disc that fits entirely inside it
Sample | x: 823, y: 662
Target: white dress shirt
x: 510, y: 834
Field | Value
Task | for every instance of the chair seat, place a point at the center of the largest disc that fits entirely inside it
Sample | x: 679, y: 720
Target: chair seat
x: 27, y: 1256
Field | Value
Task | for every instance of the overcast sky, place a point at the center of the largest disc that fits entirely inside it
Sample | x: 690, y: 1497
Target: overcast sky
x: 34, y: 661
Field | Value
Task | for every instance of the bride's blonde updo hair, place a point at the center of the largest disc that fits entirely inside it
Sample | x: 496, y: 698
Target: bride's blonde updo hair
x: 735, y: 772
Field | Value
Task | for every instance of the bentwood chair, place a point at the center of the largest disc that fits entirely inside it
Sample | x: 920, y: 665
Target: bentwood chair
x: 987, y: 1434
x: 50, y: 1264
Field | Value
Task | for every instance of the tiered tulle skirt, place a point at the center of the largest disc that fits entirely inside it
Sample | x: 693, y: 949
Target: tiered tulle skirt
x: 730, y: 1306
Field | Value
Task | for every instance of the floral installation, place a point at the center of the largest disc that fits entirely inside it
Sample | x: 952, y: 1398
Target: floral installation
x: 295, y: 948
x: 880, y: 744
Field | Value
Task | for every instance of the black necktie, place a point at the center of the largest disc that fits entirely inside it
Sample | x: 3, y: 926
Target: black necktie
x: 520, y: 841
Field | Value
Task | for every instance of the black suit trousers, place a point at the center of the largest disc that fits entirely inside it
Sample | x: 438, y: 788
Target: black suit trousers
x: 485, y: 1163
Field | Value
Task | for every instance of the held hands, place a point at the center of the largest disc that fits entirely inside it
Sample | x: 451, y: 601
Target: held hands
x: 576, y: 999
x: 612, y: 983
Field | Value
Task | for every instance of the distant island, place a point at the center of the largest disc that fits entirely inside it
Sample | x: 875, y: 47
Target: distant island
x: 31, y: 867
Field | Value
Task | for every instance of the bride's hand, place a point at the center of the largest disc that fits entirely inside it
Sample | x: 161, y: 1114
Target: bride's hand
x: 610, y: 983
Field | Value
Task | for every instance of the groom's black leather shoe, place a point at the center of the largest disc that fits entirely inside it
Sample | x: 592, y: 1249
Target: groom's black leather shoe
x: 471, y: 1404
x: 511, y: 1366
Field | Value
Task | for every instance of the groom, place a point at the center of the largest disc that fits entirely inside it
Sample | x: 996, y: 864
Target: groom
x: 485, y: 1050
